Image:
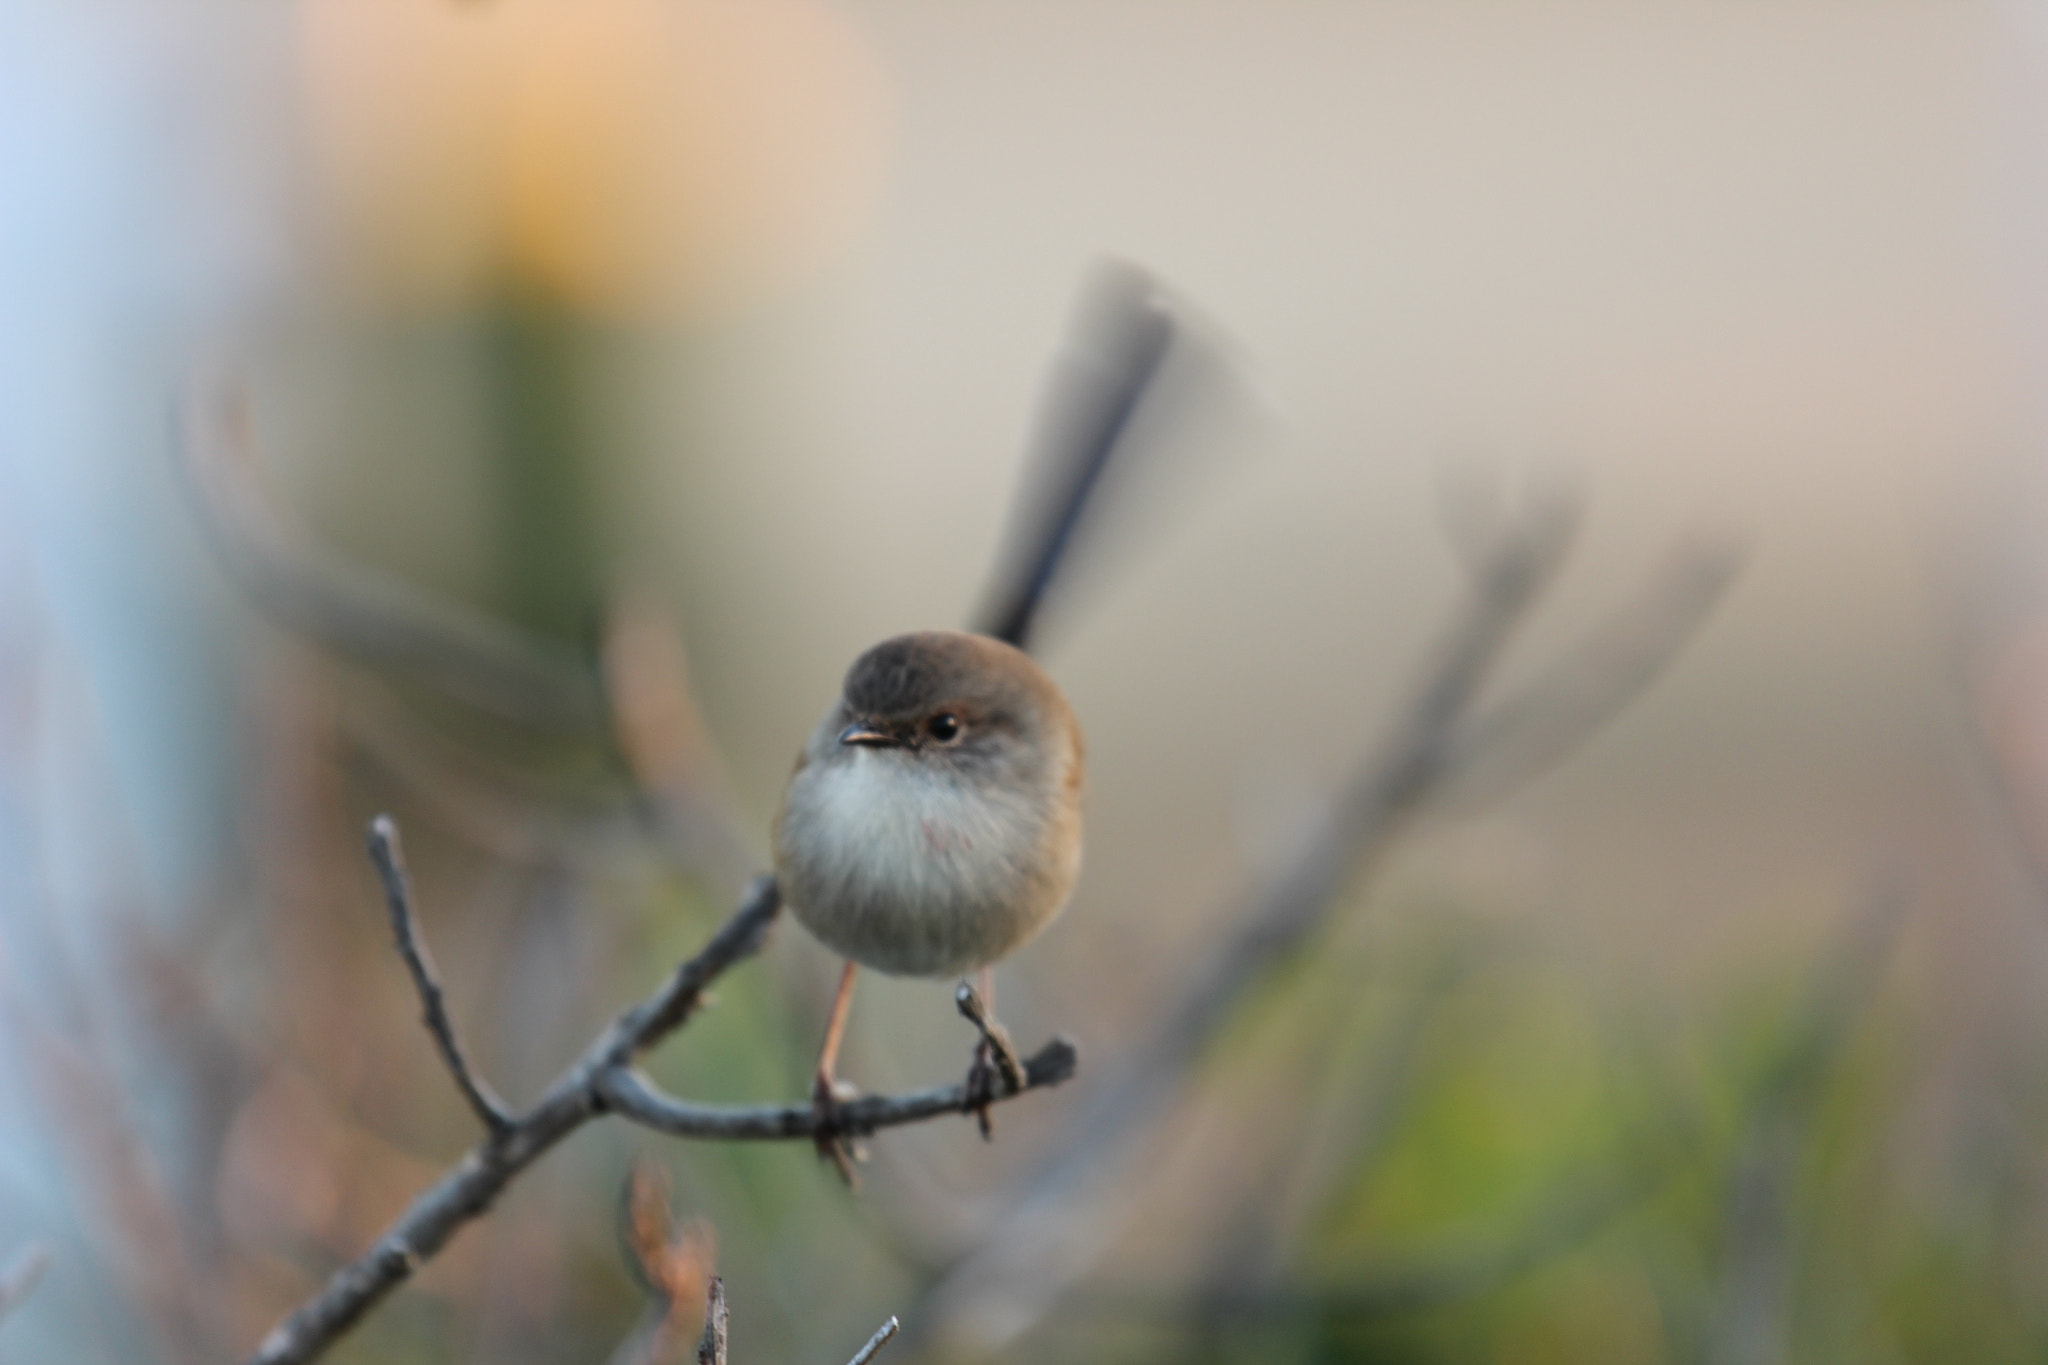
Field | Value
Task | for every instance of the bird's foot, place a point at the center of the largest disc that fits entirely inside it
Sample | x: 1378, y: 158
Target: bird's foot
x: 996, y: 1071
x: 835, y: 1144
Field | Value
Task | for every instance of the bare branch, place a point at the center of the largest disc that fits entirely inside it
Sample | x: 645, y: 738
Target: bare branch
x: 601, y: 1081
x: 876, y: 1342
x: 711, y: 1350
x: 468, y: 1189
x: 24, y: 1271
x: 633, y: 1097
x: 389, y: 858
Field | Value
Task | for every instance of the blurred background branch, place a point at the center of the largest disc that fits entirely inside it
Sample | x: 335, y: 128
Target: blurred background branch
x: 1065, y: 1214
x: 348, y: 609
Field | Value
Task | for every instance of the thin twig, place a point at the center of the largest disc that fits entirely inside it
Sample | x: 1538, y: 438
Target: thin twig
x: 468, y: 1188
x: 876, y: 1342
x: 389, y: 858
x: 24, y: 1271
x: 633, y: 1097
x: 711, y: 1348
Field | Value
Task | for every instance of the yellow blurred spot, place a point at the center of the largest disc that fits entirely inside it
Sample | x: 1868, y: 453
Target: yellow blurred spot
x: 626, y: 156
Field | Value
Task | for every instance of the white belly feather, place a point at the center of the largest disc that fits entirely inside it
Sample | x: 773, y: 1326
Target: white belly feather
x: 909, y: 870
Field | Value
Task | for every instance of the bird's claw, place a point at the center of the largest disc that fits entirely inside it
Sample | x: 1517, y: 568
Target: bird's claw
x: 982, y: 1078
x: 996, y: 1071
x: 834, y: 1143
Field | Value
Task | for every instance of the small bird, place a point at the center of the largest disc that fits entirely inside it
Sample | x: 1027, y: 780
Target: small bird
x: 933, y: 822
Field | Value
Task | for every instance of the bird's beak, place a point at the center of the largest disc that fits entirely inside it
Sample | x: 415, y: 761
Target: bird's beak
x: 868, y: 735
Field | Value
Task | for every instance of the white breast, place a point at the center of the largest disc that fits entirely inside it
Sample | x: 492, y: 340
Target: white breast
x: 903, y: 865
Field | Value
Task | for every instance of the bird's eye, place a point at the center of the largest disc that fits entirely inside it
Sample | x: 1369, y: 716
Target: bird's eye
x: 944, y: 727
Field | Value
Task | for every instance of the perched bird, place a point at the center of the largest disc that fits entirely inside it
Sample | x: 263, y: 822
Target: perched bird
x: 933, y: 822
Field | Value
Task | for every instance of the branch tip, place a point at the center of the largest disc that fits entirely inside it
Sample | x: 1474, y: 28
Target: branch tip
x: 877, y: 1341
x: 711, y: 1347
x: 387, y: 854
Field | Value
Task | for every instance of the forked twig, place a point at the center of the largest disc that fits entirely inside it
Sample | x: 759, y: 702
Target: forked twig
x: 601, y: 1081
x: 467, y: 1189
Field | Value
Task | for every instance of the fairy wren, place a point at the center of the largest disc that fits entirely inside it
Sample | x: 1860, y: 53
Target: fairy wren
x: 933, y: 822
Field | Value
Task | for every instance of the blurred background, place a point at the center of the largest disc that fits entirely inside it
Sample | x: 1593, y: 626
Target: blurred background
x: 613, y: 371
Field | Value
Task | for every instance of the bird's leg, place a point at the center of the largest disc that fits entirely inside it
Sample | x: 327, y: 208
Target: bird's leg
x: 833, y: 1145
x: 835, y: 1030
x: 995, y: 1039
x: 994, y: 1055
